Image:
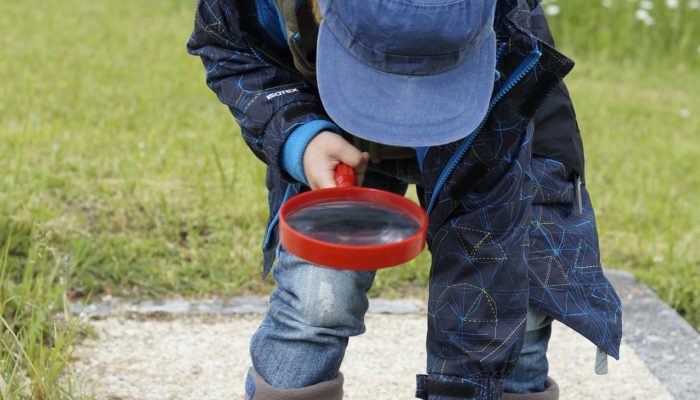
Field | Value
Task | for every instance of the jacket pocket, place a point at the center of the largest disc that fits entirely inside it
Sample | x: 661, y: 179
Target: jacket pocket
x: 564, y: 249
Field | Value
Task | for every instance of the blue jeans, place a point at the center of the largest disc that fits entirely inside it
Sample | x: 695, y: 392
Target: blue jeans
x: 313, y: 312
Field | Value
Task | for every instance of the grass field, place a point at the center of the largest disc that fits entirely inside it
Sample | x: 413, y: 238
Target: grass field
x: 122, y: 174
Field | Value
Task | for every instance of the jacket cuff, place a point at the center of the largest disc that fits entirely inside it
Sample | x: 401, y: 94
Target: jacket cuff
x: 295, y: 145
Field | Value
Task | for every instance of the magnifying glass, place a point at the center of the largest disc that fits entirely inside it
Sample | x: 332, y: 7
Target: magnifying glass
x: 351, y: 227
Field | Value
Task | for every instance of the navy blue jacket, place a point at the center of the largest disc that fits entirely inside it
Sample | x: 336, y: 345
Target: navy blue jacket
x: 499, y: 196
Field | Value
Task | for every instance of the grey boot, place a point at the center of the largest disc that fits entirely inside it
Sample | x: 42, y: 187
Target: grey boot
x: 261, y: 390
x: 551, y: 392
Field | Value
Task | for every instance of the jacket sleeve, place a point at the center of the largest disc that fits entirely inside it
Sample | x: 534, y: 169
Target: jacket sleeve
x: 268, y: 99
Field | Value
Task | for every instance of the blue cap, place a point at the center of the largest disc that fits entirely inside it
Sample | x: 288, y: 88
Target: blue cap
x: 406, y: 72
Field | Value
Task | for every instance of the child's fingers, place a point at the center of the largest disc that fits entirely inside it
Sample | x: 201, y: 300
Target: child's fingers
x: 323, y: 154
x: 353, y: 157
x: 362, y: 168
x: 350, y: 155
x: 326, y: 179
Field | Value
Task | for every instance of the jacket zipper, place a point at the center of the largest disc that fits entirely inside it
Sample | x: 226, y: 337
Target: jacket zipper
x: 523, y: 69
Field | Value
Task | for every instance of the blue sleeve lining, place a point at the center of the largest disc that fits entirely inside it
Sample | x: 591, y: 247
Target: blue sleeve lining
x: 294, y: 147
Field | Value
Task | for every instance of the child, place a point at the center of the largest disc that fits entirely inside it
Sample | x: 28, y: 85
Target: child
x: 463, y: 99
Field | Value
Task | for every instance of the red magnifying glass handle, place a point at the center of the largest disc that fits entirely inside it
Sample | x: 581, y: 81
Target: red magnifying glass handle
x: 345, y: 176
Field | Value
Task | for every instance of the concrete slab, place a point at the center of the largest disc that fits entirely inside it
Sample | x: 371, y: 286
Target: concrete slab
x: 200, y: 351
x: 662, y: 339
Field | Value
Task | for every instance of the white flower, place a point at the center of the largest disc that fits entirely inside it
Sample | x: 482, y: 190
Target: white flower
x: 645, y: 17
x: 141, y: 145
x: 646, y: 4
x: 607, y: 3
x: 694, y: 4
x: 552, y: 9
x: 672, y: 4
x: 642, y: 15
x: 684, y: 113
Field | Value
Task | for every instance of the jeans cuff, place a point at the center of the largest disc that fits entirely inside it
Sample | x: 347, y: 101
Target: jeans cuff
x: 446, y: 387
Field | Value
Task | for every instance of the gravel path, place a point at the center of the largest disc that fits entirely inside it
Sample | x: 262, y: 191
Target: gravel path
x: 205, y: 357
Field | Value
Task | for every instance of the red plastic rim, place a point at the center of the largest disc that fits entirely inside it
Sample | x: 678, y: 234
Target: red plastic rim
x: 361, y: 258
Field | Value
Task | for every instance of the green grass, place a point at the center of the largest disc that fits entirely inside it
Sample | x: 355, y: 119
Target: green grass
x: 659, y: 37
x: 35, y: 332
x: 122, y: 174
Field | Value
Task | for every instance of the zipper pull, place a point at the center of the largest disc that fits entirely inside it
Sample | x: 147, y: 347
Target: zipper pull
x: 601, y: 362
x: 577, y: 194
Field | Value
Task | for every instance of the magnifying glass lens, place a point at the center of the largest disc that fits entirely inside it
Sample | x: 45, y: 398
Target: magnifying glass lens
x: 353, y: 223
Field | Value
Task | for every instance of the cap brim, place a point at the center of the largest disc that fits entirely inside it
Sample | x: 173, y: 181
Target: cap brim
x: 402, y: 110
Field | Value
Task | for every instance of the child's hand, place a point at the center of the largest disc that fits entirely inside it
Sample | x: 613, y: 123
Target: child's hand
x: 325, y: 151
